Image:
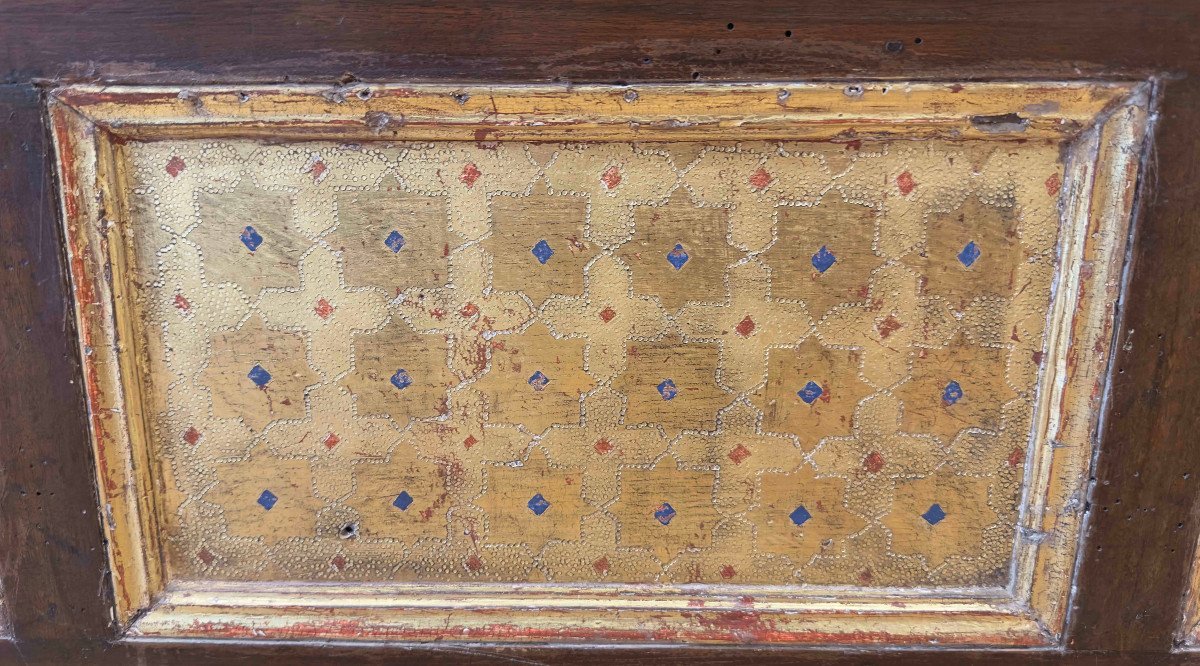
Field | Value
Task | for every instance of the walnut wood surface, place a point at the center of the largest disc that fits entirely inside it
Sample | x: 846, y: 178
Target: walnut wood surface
x: 1143, y: 526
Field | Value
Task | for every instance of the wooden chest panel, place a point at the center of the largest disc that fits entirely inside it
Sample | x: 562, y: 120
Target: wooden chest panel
x: 653, y: 351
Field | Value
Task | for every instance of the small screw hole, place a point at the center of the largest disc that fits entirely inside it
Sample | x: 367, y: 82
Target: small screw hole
x: 918, y: 40
x: 349, y: 530
x: 695, y: 75
x: 364, y: 94
x: 729, y: 26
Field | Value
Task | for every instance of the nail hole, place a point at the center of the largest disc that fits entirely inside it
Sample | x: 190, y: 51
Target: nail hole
x: 918, y: 40
x: 893, y: 47
x: 631, y: 96
x: 787, y: 33
x: 853, y: 90
x: 695, y: 75
x: 349, y: 530
x: 365, y: 93
x: 243, y: 97
x: 461, y: 97
x: 729, y: 26
x: 647, y: 60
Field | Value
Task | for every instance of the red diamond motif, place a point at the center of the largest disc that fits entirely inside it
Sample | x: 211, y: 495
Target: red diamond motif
x: 205, y: 556
x: 603, y: 446
x: 739, y: 454
x: 1053, y: 184
x: 469, y: 310
x: 607, y: 314
x: 191, y: 436
x: 873, y: 462
x: 601, y: 565
x: 318, y: 170
x: 611, y: 177
x: 470, y: 174
x: 470, y: 441
x: 338, y: 562
x: 323, y: 309
x: 760, y: 179
x: 728, y: 572
x: 745, y: 327
x: 474, y: 563
x: 888, y: 326
x: 175, y: 166
x: 906, y: 183
x: 1015, y: 458
x: 182, y: 303
x: 331, y: 440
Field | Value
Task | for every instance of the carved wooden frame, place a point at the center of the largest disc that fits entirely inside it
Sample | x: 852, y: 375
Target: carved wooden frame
x: 1187, y: 636
x: 1102, y: 126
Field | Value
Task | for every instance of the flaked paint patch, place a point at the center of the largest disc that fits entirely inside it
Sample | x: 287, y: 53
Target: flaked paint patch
x: 694, y: 627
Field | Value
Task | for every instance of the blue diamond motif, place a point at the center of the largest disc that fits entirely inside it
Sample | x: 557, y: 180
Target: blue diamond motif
x: 403, y: 501
x: 267, y: 499
x: 823, y: 259
x: 934, y: 515
x: 810, y: 392
x: 401, y: 380
x: 678, y: 256
x: 251, y: 239
x: 667, y: 389
x: 538, y: 380
x: 538, y: 504
x: 394, y: 241
x: 969, y: 254
x: 665, y: 513
x: 259, y: 376
x: 952, y: 394
x: 542, y: 251
x: 800, y: 515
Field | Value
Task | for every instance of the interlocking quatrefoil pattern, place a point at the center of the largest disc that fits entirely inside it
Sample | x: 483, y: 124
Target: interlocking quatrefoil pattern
x: 754, y: 363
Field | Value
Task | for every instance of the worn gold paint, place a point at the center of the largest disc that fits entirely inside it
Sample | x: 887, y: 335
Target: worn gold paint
x: 470, y: 314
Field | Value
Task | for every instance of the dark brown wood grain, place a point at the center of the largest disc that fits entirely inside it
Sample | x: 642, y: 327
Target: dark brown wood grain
x: 1143, y: 512
x: 52, y: 560
x: 591, y: 40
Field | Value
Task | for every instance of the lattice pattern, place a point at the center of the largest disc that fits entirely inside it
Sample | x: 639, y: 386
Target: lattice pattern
x: 752, y: 363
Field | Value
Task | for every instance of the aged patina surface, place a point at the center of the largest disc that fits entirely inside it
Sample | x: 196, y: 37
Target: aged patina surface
x: 381, y: 362
x: 749, y: 363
